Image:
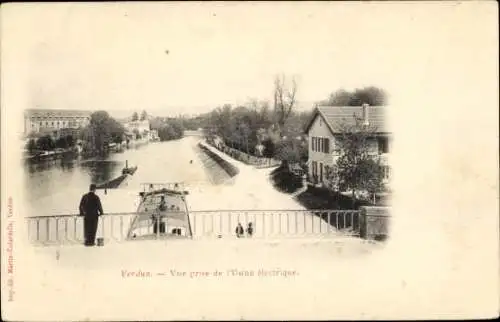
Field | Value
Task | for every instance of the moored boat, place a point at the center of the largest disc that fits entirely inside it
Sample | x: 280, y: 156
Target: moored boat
x: 162, y: 213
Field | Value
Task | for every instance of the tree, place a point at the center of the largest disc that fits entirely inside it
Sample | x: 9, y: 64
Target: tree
x: 340, y: 98
x: 61, y: 143
x: 284, y: 100
x: 135, y: 117
x: 371, y: 95
x: 269, y: 148
x: 46, y: 143
x: 103, y: 130
x: 290, y: 151
x: 170, y: 132
x: 31, y: 145
x: 356, y: 169
x: 70, y: 140
x: 144, y: 115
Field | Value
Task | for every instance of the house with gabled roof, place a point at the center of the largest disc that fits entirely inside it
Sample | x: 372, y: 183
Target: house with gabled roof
x: 325, y: 126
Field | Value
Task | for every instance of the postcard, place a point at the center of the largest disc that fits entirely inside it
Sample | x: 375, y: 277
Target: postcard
x: 249, y: 161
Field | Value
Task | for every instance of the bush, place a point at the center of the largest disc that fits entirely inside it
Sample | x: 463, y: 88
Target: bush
x: 323, y: 198
x: 46, y: 143
x: 286, y: 181
x: 168, y: 132
x: 269, y: 148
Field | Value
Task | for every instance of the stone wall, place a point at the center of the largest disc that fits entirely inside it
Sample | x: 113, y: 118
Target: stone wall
x: 228, y: 167
x: 375, y: 222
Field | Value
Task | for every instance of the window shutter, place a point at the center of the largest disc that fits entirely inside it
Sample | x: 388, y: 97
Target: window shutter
x: 327, y: 145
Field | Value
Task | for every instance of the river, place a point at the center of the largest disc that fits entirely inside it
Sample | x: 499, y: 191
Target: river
x: 55, y: 187
x: 218, y: 204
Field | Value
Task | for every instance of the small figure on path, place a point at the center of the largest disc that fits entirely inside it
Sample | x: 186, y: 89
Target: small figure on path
x: 250, y: 229
x: 239, y: 231
x: 91, y: 209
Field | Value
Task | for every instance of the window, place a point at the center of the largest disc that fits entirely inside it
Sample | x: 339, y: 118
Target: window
x: 320, y: 144
x: 383, y: 145
x: 386, y: 172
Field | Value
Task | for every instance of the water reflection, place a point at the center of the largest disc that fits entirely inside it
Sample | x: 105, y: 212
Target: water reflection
x: 50, y: 177
x: 101, y: 170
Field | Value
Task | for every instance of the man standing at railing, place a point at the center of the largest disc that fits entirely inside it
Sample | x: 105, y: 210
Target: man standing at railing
x: 91, y: 208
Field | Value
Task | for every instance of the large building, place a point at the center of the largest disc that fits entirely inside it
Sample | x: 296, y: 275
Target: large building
x: 325, y: 127
x: 51, y: 121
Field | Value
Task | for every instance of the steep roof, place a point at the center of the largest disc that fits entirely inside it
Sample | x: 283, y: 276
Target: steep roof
x: 335, y: 115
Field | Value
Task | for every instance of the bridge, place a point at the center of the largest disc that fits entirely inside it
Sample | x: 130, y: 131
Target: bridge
x: 268, y: 224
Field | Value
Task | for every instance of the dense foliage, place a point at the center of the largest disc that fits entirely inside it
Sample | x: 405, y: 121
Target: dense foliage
x: 246, y: 127
x: 102, y: 131
x: 48, y: 143
x: 168, y: 128
x: 371, y: 95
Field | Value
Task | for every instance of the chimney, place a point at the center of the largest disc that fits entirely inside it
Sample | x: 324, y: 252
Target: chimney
x: 365, y: 114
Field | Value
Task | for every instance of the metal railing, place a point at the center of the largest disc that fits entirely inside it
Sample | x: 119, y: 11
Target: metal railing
x: 68, y: 229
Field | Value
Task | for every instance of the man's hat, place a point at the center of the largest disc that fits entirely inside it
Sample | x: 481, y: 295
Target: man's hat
x: 92, y: 187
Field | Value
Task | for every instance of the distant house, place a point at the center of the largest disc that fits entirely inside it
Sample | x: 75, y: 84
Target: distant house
x: 140, y: 127
x: 324, y: 127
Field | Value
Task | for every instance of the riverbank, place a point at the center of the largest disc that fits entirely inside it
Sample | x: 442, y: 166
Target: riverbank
x: 258, y: 162
x: 230, y: 169
x: 250, y: 189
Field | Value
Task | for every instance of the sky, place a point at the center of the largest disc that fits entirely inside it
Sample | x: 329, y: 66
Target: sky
x: 170, y: 58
